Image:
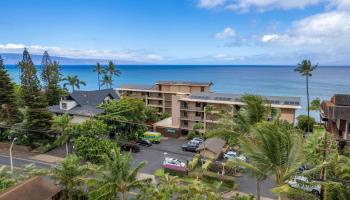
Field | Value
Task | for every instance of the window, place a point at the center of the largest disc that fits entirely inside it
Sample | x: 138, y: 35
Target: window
x: 64, y: 106
x: 198, y: 105
x: 143, y: 93
x: 159, y: 94
x: 184, y: 104
x: 184, y: 113
x: 160, y: 102
x: 202, y: 89
x: 185, y: 123
x: 198, y: 114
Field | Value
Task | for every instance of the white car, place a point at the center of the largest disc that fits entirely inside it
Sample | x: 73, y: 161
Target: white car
x: 234, y: 155
x: 301, y: 182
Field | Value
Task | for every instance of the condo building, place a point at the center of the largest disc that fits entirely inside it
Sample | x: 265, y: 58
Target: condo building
x: 189, y: 103
x: 335, y: 114
x: 160, y: 94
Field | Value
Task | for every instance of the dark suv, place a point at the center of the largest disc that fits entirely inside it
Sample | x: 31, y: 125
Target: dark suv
x: 130, y: 146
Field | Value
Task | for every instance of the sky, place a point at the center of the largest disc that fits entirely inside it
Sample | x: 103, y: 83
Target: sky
x: 181, y: 31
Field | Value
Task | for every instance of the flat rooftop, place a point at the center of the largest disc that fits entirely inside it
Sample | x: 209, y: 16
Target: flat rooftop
x: 162, y: 82
x: 138, y: 86
x: 237, y: 98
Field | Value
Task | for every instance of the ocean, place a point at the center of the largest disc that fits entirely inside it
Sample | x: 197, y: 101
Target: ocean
x: 262, y: 80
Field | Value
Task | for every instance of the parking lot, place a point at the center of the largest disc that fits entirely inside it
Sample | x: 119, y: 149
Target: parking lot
x: 154, y: 155
x: 170, y: 147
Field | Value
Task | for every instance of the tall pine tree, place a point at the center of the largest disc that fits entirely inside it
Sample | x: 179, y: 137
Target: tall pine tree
x: 51, y: 77
x: 39, y: 118
x: 8, y: 106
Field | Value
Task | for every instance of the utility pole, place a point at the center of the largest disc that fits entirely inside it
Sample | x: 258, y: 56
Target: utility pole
x: 325, y: 149
x: 11, y: 161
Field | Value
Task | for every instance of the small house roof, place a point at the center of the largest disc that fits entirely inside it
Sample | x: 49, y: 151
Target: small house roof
x: 214, y: 144
x: 93, y: 97
x: 38, y: 188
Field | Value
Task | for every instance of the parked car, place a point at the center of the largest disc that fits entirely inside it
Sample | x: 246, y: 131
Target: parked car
x: 301, y: 182
x: 130, y: 146
x: 191, y: 146
x: 197, y: 139
x: 174, y: 164
x: 144, y: 142
x: 234, y: 155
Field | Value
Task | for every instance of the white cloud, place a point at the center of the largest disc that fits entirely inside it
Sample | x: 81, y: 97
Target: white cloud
x: 326, y: 29
x: 339, y: 4
x: 260, y: 5
x: 132, y: 55
x: 269, y: 37
x: 210, y: 3
x: 228, y: 32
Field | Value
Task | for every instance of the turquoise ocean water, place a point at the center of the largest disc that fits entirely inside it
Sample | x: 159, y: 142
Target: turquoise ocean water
x: 263, y: 80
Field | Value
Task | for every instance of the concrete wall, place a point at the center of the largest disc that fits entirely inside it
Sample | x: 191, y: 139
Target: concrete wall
x: 79, y: 119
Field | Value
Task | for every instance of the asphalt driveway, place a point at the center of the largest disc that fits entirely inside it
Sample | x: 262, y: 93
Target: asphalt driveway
x: 170, y: 147
x: 154, y: 155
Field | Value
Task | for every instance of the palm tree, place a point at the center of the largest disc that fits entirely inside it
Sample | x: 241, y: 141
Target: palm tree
x: 70, y: 174
x: 274, y: 148
x: 60, y: 124
x: 73, y: 81
x: 98, y: 69
x: 116, y: 177
x: 305, y: 68
x: 112, y: 71
x: 106, y: 79
x: 164, y: 190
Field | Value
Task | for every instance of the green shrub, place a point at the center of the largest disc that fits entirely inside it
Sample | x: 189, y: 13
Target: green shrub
x: 296, y: 194
x: 302, y: 123
x: 92, y: 149
x: 243, y: 197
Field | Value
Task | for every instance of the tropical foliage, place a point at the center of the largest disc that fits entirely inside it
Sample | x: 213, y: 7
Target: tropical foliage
x: 51, y: 77
x: 305, y: 68
x: 8, y: 104
x: 126, y: 117
x: 304, y: 123
x: 116, y: 177
x: 73, y: 82
x: 70, y: 175
x: 39, y: 119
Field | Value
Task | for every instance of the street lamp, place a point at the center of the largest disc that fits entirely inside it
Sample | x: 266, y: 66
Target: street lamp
x: 11, y: 161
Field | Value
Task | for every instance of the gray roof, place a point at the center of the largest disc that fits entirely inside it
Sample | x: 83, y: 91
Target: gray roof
x: 337, y: 108
x: 138, y: 86
x: 94, y: 97
x: 87, y: 102
x: 183, y: 83
x: 214, y: 144
x: 84, y: 110
x: 282, y: 100
x: 341, y: 99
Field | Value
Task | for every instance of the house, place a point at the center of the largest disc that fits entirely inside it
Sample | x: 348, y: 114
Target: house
x: 82, y: 105
x: 336, y: 116
x: 38, y: 188
x: 212, y: 148
x: 185, y: 101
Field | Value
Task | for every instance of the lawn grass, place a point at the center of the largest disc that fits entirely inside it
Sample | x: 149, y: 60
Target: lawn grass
x: 206, y: 181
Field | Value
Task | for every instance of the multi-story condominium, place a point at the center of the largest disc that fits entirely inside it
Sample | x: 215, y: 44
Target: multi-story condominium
x: 192, y: 109
x: 336, y: 116
x: 187, y: 102
x: 160, y: 95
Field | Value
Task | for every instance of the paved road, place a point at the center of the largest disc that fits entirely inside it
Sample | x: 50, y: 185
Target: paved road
x: 20, y: 162
x: 154, y: 156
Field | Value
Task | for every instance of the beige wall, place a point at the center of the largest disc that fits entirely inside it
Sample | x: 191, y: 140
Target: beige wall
x: 184, y: 88
x: 288, y: 115
x: 79, y: 119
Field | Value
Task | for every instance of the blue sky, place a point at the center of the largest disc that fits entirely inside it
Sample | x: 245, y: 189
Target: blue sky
x: 181, y: 31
